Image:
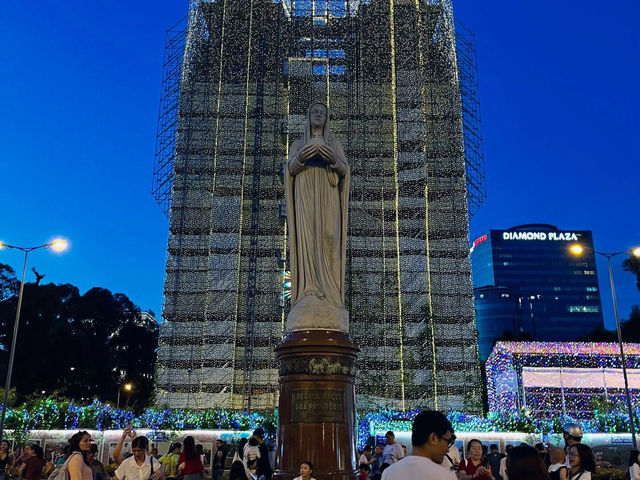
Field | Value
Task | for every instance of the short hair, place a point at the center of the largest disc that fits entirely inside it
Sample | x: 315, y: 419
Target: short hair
x: 366, y: 447
x: 307, y: 462
x: 140, y: 442
x: 94, y: 448
x: 473, y: 440
x: 587, y: 462
x: 493, y: 446
x: 525, y: 463
x: 259, y: 432
x: 426, y: 423
x: 389, y: 434
x: 508, y: 449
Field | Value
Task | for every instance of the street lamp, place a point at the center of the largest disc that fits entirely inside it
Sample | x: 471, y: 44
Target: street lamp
x: 127, y: 387
x: 57, y: 245
x: 578, y: 249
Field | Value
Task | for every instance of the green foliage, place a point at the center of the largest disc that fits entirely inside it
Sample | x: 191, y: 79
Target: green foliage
x: 49, y: 414
x: 12, y: 398
x: 630, y: 330
x: 516, y: 421
x: 632, y: 264
x: 8, y: 282
x: 600, y: 334
x: 631, y: 327
x: 80, y: 346
x: 609, y: 474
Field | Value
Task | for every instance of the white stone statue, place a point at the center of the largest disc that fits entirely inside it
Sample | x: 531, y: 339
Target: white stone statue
x: 317, y: 192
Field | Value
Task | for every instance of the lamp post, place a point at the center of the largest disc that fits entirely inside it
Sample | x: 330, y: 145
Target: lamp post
x: 578, y: 249
x: 57, y: 245
x: 127, y: 387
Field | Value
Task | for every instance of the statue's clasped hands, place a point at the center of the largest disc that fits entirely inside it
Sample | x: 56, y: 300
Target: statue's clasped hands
x: 311, y: 150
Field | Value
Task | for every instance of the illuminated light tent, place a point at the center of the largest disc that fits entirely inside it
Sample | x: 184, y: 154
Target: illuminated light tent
x: 552, y: 378
x: 401, y: 84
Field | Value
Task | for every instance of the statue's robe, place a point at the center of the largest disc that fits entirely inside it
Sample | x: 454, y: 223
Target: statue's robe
x: 317, y: 198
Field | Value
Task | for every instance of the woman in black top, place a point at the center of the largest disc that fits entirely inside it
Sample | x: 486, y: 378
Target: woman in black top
x: 5, y: 458
x: 238, y: 471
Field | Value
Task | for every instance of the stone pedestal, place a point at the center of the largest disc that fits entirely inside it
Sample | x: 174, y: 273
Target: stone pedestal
x: 317, y: 405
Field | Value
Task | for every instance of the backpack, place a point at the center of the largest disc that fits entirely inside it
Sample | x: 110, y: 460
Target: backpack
x: 61, y: 472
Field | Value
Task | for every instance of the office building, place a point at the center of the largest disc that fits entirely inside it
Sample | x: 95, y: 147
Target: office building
x: 526, y: 280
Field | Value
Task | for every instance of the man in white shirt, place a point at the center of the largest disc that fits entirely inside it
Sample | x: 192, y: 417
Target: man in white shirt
x: 451, y: 458
x: 431, y: 437
x: 503, y: 463
x: 392, y: 450
x: 139, y: 466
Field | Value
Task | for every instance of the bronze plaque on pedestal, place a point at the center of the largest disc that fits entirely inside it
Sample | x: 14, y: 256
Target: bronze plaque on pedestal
x: 317, y: 406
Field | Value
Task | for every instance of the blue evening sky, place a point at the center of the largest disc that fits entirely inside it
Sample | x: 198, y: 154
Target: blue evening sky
x: 81, y: 83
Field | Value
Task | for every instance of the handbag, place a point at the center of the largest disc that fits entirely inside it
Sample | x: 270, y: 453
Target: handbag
x: 151, y: 463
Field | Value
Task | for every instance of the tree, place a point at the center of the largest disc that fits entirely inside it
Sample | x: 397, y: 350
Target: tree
x: 631, y: 327
x: 8, y: 282
x: 632, y: 264
x: 82, y: 346
x: 600, y: 334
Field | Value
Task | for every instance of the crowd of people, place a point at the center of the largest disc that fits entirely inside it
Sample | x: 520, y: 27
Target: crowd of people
x: 434, y: 455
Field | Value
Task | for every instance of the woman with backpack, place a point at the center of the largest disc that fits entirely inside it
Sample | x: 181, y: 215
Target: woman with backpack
x: 78, y: 464
x: 170, y: 461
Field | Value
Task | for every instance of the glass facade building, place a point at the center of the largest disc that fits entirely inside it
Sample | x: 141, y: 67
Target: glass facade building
x: 526, y: 280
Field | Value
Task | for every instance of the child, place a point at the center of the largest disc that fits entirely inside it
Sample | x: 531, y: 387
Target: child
x: 558, y: 468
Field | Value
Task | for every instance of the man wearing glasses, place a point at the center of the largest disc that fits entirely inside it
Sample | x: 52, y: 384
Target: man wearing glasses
x: 431, y: 437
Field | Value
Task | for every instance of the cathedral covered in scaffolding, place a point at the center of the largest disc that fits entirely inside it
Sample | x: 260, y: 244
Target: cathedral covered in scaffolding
x: 399, y: 77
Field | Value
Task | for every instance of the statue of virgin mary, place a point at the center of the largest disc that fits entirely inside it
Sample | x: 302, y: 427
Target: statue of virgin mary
x: 317, y: 192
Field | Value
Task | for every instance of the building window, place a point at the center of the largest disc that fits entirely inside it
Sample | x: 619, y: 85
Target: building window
x: 583, y: 309
x: 589, y: 272
x: 591, y: 289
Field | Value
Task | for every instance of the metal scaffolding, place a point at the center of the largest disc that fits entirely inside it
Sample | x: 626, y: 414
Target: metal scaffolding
x: 392, y: 74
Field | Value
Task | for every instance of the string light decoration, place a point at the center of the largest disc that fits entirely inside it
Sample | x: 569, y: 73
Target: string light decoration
x: 52, y: 414
x: 554, y: 380
x: 400, y: 81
